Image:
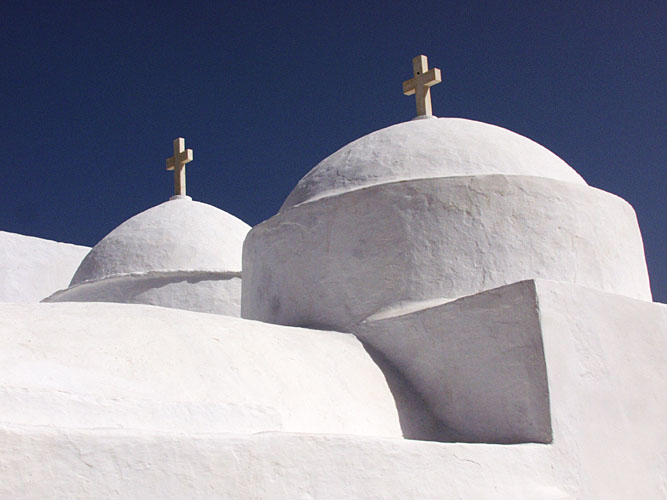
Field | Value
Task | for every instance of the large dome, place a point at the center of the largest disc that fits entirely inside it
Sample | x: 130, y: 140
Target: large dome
x: 178, y: 235
x: 422, y: 149
x: 434, y: 209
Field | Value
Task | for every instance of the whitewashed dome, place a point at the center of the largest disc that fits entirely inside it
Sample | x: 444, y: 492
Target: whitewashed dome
x: 429, y: 148
x: 178, y: 235
x: 180, y: 254
x: 434, y: 210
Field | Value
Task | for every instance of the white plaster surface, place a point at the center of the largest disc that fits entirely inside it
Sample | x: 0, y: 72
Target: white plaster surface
x: 605, y: 357
x: 419, y: 149
x: 64, y: 464
x: 211, y: 292
x: 178, y: 235
x: 33, y: 268
x: 103, y: 400
x: 334, y: 262
x: 103, y: 365
x: 477, y: 362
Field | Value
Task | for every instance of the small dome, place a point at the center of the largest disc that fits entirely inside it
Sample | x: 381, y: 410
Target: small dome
x: 178, y: 235
x: 431, y: 148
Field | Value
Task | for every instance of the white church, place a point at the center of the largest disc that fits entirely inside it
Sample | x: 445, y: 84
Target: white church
x: 441, y: 309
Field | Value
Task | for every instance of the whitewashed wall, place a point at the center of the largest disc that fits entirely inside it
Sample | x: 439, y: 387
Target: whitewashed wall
x: 33, y: 268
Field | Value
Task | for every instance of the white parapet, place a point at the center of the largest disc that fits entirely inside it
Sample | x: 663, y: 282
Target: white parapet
x: 126, y: 366
x: 33, y: 268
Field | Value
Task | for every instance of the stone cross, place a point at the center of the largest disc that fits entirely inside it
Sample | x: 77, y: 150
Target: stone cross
x: 421, y: 84
x: 177, y: 164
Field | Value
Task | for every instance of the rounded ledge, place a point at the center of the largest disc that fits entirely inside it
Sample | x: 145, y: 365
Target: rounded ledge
x: 429, y: 148
x: 75, y: 289
x: 172, y: 236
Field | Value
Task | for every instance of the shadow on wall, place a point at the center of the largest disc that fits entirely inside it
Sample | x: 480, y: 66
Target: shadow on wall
x: 471, y: 370
x: 416, y: 418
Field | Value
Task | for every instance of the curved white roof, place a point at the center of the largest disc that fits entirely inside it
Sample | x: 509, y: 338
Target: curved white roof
x: 181, y: 371
x: 418, y: 149
x: 178, y: 235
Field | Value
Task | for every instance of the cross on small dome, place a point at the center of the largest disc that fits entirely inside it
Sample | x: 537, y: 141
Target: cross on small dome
x: 421, y: 84
x: 177, y: 164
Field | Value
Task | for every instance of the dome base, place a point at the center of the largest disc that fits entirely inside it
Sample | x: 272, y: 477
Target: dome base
x: 334, y: 262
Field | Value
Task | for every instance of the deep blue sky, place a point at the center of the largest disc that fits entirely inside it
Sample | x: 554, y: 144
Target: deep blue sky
x: 93, y: 93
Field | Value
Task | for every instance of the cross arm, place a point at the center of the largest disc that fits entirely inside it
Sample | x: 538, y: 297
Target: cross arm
x: 428, y: 79
x: 409, y: 86
x: 432, y: 76
x: 183, y: 158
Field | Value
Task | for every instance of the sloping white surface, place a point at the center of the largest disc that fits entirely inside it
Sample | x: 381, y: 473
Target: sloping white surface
x: 66, y: 464
x: 478, y: 363
x: 33, y: 268
x: 336, y: 261
x: 178, y: 235
x: 211, y: 292
x: 102, y: 365
x: 419, y: 149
